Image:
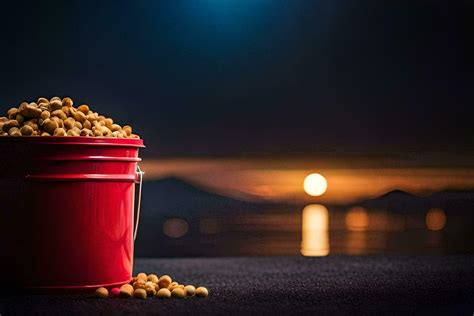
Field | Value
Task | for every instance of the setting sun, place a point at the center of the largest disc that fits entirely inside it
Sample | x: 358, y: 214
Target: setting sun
x: 315, y: 184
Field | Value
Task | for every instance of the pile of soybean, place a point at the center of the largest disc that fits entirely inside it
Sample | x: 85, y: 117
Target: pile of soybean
x: 143, y: 286
x: 59, y: 117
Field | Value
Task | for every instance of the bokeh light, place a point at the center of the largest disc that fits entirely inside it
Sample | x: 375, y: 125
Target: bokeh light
x: 175, y: 227
x: 435, y: 219
x: 357, y: 219
x: 315, y: 184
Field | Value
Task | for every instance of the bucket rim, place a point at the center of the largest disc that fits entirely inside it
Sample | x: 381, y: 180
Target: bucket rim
x: 74, y: 140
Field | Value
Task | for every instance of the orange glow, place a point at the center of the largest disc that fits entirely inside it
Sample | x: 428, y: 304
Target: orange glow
x: 315, y: 184
x: 175, y: 227
x: 280, y: 179
x: 315, y: 225
x: 357, y: 219
x: 435, y: 219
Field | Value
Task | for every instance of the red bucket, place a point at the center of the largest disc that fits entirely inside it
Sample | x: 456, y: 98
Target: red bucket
x: 67, y: 211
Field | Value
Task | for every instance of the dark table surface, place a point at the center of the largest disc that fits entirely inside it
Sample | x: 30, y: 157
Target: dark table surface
x: 294, y: 285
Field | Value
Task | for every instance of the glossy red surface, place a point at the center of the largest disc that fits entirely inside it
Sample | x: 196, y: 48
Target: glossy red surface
x: 66, y: 215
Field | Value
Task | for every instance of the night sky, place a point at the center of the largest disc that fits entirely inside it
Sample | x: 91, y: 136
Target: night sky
x: 234, y: 77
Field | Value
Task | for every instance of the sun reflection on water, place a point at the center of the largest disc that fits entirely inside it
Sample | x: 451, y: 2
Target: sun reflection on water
x: 315, y: 226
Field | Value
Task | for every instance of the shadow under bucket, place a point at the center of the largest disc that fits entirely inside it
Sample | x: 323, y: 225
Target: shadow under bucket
x: 67, y: 211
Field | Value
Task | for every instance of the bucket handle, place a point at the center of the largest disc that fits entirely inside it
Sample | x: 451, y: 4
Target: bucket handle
x: 140, y: 174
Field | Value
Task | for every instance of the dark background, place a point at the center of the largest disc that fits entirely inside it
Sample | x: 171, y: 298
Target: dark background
x: 270, y: 78
x: 233, y: 77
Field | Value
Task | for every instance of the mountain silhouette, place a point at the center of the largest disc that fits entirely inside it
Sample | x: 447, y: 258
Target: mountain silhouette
x: 397, y: 194
x: 394, y: 196
x: 401, y: 200
x: 173, y: 196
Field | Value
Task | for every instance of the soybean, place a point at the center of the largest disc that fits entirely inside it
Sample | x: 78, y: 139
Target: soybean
x: 60, y: 114
x: 178, y: 293
x: 139, y: 284
x: 72, y: 132
x: 9, y: 124
x: 202, y: 292
x: 55, y: 104
x: 26, y: 130
x: 126, y: 290
x: 59, y: 132
x: 14, y: 131
x: 150, y: 288
x: 50, y: 125
x: 11, y: 113
x: 163, y: 293
x: 42, y: 100
x: 69, y: 123
x: 153, y: 278
x: 84, y: 108
x: 67, y: 102
x: 190, y: 290
x: 102, y: 292
x: 139, y: 293
x: 142, y: 276
x: 164, y: 281
x: 46, y: 116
